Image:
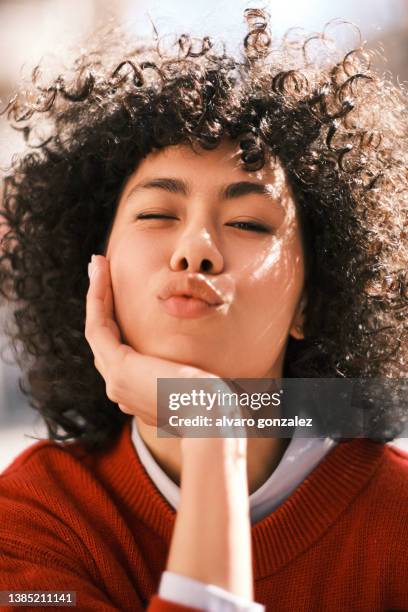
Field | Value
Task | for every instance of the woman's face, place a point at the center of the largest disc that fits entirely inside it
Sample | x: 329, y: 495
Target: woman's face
x: 208, y: 200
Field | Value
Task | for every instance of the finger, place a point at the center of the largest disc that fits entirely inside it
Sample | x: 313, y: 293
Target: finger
x: 108, y: 303
x: 108, y: 300
x: 99, y: 330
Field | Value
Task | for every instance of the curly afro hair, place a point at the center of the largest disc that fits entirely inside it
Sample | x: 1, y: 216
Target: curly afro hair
x: 338, y: 128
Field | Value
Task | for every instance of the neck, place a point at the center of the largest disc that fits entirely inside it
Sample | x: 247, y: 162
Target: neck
x: 263, y: 455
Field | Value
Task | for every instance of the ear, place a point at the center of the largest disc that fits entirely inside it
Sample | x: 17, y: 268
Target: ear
x: 298, y: 321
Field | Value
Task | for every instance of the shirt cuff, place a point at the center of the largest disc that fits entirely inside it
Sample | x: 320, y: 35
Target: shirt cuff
x: 190, y: 592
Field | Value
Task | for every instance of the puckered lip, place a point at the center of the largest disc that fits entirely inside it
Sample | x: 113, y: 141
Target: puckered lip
x: 193, y: 286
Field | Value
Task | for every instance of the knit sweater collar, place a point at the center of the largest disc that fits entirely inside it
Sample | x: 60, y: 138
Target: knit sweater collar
x: 282, y: 535
x: 299, y: 459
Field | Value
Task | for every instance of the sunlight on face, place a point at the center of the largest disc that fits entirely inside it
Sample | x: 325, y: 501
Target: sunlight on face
x: 186, y: 211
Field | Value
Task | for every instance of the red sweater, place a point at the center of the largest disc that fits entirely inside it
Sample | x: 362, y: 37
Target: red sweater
x: 96, y: 524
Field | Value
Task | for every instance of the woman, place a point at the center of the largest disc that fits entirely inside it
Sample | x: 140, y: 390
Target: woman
x: 277, y: 185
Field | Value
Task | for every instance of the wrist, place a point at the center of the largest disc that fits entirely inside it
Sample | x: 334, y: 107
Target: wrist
x: 225, y: 450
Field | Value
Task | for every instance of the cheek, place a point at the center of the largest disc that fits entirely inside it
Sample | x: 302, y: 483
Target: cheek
x: 132, y: 264
x: 132, y: 260
x: 272, y: 289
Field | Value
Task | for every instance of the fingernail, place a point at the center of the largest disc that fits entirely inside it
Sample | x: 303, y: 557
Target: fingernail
x: 91, y: 267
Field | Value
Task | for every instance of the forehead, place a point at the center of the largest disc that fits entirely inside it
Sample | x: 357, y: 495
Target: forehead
x: 204, y: 169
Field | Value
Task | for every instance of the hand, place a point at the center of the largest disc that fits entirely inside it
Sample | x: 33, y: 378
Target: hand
x: 130, y: 377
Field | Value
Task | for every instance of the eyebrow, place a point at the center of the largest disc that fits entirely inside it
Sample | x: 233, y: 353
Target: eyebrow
x: 228, y: 192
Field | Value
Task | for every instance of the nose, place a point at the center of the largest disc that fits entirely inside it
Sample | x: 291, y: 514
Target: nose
x: 196, y: 251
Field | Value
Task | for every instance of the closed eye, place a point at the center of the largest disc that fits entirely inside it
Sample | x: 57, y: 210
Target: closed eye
x: 250, y: 226
x: 245, y: 225
x: 153, y: 216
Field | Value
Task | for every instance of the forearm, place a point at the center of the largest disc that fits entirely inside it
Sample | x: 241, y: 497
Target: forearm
x: 212, y: 538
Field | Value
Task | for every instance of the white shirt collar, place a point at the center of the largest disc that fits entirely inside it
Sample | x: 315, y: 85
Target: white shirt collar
x: 302, y: 455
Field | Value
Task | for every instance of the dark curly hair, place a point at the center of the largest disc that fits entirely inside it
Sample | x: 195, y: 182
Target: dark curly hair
x: 338, y: 128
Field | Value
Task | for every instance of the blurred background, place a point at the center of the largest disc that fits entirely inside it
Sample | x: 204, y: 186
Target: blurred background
x: 32, y: 29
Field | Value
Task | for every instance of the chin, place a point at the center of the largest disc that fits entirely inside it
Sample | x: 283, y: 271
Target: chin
x: 187, y: 356
x: 186, y: 353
